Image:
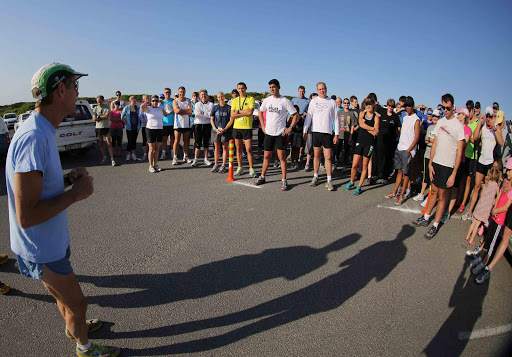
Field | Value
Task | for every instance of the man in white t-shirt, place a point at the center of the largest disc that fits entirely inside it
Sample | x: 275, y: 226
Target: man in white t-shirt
x: 490, y: 133
x: 445, y: 157
x: 275, y: 129
x: 322, y: 117
x: 406, y: 149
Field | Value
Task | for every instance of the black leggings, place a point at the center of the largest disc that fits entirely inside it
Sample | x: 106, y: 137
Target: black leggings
x: 131, y: 135
x: 492, y: 238
x: 144, y: 137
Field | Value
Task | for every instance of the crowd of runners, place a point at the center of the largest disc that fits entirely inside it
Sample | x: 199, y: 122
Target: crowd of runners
x: 447, y: 159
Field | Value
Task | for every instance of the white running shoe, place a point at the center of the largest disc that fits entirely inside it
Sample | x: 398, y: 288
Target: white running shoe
x: 175, y: 161
x: 207, y: 162
x: 194, y: 163
x: 419, y: 197
x: 128, y: 158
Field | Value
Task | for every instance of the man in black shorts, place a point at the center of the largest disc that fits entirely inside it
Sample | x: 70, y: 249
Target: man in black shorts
x: 445, y: 157
x: 275, y: 129
x: 168, y: 128
x: 101, y: 115
x: 322, y: 117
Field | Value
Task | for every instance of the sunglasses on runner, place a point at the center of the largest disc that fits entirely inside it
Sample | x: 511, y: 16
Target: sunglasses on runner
x: 447, y: 108
x: 154, y: 101
x: 167, y: 92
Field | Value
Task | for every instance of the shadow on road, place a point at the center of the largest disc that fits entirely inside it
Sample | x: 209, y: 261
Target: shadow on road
x: 375, y: 261
x: 467, y: 300
x: 215, y: 277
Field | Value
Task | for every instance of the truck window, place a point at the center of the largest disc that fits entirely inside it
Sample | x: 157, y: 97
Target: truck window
x: 82, y: 113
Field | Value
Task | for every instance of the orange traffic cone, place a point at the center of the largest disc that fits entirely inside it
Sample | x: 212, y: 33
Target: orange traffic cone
x: 231, y: 152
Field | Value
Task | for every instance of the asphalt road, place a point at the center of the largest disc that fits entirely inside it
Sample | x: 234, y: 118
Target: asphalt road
x: 182, y: 262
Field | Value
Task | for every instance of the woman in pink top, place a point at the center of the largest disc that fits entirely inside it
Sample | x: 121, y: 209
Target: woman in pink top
x: 116, y: 129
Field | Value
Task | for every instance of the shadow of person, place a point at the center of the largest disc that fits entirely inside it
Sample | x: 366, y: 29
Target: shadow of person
x: 467, y: 300
x: 375, y: 261
x: 215, y: 277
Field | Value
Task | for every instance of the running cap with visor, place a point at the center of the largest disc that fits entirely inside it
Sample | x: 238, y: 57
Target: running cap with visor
x: 408, y: 102
x: 48, y: 77
x: 437, y: 113
x: 489, y: 111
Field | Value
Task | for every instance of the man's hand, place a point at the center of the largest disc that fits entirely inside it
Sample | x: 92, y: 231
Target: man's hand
x: 450, y: 181
x: 431, y: 172
x: 82, y: 187
x: 305, y: 136
x: 335, y: 140
x: 75, y: 174
x: 286, y: 131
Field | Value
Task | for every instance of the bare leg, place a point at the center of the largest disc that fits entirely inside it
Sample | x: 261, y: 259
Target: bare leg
x: 70, y: 300
x: 474, y: 196
x: 355, y: 163
x: 225, y: 150
x: 248, y: 148
x: 239, y: 151
x: 267, y: 156
x: 364, y: 171
x: 282, y: 157
x: 177, y: 138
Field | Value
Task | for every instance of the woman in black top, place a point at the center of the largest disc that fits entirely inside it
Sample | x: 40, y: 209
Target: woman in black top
x: 368, y: 130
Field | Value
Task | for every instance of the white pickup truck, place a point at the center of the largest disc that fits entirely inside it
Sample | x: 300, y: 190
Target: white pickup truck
x: 76, y: 132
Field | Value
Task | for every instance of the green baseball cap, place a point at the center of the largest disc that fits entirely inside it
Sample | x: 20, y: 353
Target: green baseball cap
x: 49, y: 76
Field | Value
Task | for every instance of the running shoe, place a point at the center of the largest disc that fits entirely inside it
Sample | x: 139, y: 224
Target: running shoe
x: 329, y: 186
x: 128, y: 158
x: 306, y: 168
x: 215, y: 168
x: 483, y: 275
x: 144, y: 157
x: 478, y: 268
x: 357, y: 191
x: 314, y: 182
x: 322, y: 167
x: 445, y: 218
x: 222, y: 169
x: 152, y: 169
x: 421, y: 222
x: 473, y: 253
x: 3, y: 258
x: 334, y: 167
x: 189, y: 160
x: 475, y: 261
x: 134, y: 158
x: 239, y: 172
x: 461, y: 209
x: 260, y: 181
x: 467, y: 216
x: 284, y: 185
x: 97, y: 350
x: 399, y: 200
x: 163, y: 155
x: 92, y: 325
x: 419, y: 197
x: 276, y: 164
x: 194, y: 163
x: 432, y: 231
x: 424, y: 203
x: 157, y: 168
x: 252, y: 172
x: 4, y: 288
x: 175, y: 161
x: 207, y: 162
x: 104, y: 160
x: 114, y: 162
x: 289, y: 158
x: 348, y: 186
x: 390, y: 195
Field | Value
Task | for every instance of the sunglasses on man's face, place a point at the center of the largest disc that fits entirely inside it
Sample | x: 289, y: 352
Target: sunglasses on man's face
x: 167, y: 92
x: 154, y: 101
x: 449, y: 109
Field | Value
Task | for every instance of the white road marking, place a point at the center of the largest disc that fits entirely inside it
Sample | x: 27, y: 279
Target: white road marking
x: 486, y: 332
x: 401, y: 208
x: 246, y: 184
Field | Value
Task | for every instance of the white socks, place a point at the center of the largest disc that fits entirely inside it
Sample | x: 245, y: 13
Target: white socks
x: 84, y: 347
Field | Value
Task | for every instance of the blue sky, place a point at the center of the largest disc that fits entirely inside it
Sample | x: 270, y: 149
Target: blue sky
x: 422, y: 49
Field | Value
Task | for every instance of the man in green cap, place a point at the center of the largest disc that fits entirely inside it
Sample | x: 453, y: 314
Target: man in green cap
x: 38, y: 199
